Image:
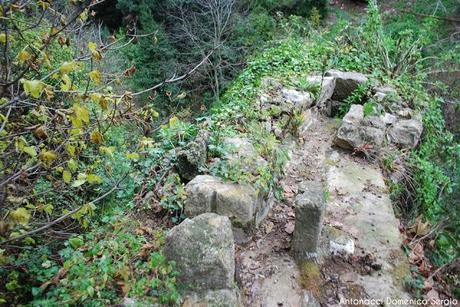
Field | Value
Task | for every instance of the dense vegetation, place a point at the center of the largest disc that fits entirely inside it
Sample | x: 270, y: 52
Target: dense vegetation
x: 90, y: 130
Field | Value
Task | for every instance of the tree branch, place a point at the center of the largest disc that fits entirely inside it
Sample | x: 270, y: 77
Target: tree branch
x: 65, y: 216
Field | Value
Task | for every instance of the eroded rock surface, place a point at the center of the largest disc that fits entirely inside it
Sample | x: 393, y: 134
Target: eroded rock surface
x: 193, y: 156
x: 406, y: 132
x: 345, y: 83
x: 239, y: 202
x: 203, y: 250
x: 357, y: 131
x: 213, y: 298
x: 242, y: 154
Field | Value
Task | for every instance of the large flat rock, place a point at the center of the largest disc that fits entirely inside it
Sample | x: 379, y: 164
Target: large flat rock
x: 360, y: 209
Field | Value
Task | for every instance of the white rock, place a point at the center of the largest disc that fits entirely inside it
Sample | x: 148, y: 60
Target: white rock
x: 342, y: 246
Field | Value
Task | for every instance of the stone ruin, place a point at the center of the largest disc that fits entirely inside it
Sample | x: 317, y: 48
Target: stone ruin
x: 222, y: 212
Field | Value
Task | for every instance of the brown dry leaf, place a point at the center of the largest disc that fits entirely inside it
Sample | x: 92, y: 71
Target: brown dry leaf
x: 124, y: 288
x: 59, y: 275
x: 422, y: 229
x: 146, y: 249
x: 40, y: 133
x: 130, y: 71
x: 289, y: 227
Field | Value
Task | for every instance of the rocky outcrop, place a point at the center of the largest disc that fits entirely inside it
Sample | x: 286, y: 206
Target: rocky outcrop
x: 405, y: 132
x: 203, y: 251
x: 357, y: 131
x: 345, y: 83
x: 239, y: 202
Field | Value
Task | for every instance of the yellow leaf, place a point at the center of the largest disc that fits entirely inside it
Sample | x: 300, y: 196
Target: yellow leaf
x: 33, y: 88
x: 2, y: 38
x: 132, y: 156
x: 72, y: 165
x: 94, y: 179
x: 92, y: 46
x: 173, y: 121
x: 81, y: 112
x: 107, y: 150
x: 95, y: 97
x: 23, y: 56
x: 95, y: 76
x: 81, y: 179
x: 67, y: 83
x: 66, y: 176
x: 21, y: 216
x: 68, y: 67
x: 96, y: 137
x: 48, y: 208
x: 70, y: 149
x: 49, y: 93
x: 48, y: 156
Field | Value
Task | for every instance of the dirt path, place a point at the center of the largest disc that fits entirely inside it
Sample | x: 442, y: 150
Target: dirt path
x: 358, y: 212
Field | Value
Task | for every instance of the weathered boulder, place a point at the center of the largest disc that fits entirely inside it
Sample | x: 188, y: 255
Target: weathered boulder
x: 406, y: 132
x: 201, y: 195
x: 327, y: 86
x: 298, y: 99
x: 357, y: 131
x: 193, y: 156
x: 213, y: 298
x: 203, y: 250
x: 345, y: 83
x: 241, y: 153
x: 240, y: 202
x: 309, y: 212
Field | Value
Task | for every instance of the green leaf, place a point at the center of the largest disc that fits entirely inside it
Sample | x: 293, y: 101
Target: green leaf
x: 368, y: 108
x: 76, y: 242
x: 81, y: 179
x: 30, y: 150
